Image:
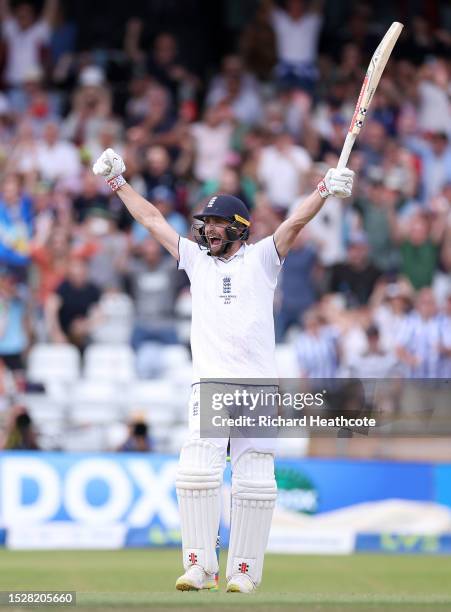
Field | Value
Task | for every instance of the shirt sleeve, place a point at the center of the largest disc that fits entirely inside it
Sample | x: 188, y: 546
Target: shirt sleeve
x: 277, y: 17
x: 9, y: 28
x: 315, y: 21
x: 42, y: 31
x: 404, y: 333
x: 269, y: 257
x: 445, y: 332
x: 188, y: 254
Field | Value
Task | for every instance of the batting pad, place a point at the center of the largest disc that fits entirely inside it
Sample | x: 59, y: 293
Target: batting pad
x: 198, y: 482
x: 254, y: 493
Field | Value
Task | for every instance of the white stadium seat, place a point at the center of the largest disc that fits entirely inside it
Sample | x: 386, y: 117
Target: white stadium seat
x: 94, y: 402
x: 157, y: 400
x: 85, y: 439
x: 154, y: 359
x: 99, y: 391
x: 109, y: 362
x: 53, y: 362
x: 49, y: 417
x: 146, y: 393
x: 183, y: 310
x: 149, y: 364
x: 115, y: 435
x: 175, y: 356
x: 117, y: 311
x: 42, y: 407
x: 88, y: 413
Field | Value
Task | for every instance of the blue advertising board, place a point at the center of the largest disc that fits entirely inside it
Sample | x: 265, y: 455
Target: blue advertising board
x: 128, y: 499
x: 133, y: 490
x: 443, y: 484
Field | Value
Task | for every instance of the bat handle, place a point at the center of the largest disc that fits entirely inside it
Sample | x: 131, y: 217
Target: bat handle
x: 346, y: 150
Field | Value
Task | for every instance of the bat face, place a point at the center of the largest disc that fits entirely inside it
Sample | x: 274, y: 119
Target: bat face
x: 373, y: 75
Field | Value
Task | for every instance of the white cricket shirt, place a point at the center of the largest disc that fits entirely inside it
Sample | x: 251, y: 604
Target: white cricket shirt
x: 232, y: 326
x: 23, y: 49
x: 297, y: 39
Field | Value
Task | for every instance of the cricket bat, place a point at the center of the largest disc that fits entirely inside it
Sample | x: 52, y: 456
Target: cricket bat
x: 370, y: 83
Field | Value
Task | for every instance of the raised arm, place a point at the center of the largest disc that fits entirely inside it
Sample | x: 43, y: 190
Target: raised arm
x: 337, y: 183
x: 110, y: 165
x: 5, y: 10
x: 49, y: 11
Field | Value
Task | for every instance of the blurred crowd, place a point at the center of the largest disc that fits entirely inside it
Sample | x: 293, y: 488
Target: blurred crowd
x: 367, y: 286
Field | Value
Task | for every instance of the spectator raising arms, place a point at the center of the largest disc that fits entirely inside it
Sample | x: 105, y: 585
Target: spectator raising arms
x: 27, y: 39
x: 70, y: 310
x: 282, y: 167
x: 297, y: 27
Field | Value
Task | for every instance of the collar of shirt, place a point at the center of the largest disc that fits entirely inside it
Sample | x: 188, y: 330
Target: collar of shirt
x: 239, y: 253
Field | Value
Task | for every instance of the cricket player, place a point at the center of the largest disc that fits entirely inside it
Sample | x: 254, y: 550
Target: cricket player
x: 232, y: 336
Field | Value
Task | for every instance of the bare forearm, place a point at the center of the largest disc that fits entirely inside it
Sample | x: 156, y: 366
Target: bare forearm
x: 52, y: 319
x: 286, y: 233
x: 307, y: 210
x: 140, y: 209
x: 49, y: 11
x: 4, y: 9
x: 151, y: 218
x: 110, y: 165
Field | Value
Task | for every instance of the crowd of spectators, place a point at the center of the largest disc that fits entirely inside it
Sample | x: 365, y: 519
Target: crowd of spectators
x: 368, y: 283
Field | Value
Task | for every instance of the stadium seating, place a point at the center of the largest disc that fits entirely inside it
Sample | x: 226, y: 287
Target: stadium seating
x: 109, y: 362
x: 155, y: 360
x: 154, y: 399
x: 117, y: 312
x: 149, y: 364
x: 89, y: 401
x: 95, y: 402
x: 85, y: 438
x: 49, y: 363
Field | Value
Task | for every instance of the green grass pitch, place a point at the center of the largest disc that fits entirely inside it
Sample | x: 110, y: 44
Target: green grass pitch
x: 144, y: 580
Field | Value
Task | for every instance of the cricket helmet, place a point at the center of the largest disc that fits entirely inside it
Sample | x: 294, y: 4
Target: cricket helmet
x: 226, y: 207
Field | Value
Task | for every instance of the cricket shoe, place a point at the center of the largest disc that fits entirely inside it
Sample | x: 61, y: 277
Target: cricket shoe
x: 195, y: 579
x: 240, y: 583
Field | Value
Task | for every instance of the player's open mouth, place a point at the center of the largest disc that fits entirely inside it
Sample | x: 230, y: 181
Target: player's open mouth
x: 214, y: 241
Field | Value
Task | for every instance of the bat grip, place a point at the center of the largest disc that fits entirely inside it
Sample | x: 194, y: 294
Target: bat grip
x: 346, y: 150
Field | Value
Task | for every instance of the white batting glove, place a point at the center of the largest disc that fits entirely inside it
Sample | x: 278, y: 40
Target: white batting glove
x: 111, y: 166
x: 337, y: 182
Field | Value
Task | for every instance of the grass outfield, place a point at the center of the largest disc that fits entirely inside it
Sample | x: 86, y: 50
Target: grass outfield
x: 144, y: 580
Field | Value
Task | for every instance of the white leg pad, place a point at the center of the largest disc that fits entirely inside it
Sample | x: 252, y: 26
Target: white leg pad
x: 254, y: 493
x: 198, y: 483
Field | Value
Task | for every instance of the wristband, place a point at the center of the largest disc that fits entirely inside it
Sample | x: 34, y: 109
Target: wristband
x: 116, y: 182
x: 322, y: 189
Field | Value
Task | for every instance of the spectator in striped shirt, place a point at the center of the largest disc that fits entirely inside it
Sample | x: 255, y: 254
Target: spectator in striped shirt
x: 375, y: 362
x: 445, y: 322
x: 423, y: 341
x: 317, y: 347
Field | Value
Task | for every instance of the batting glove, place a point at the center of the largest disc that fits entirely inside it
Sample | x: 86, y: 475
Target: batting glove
x: 337, y: 182
x: 111, y: 166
